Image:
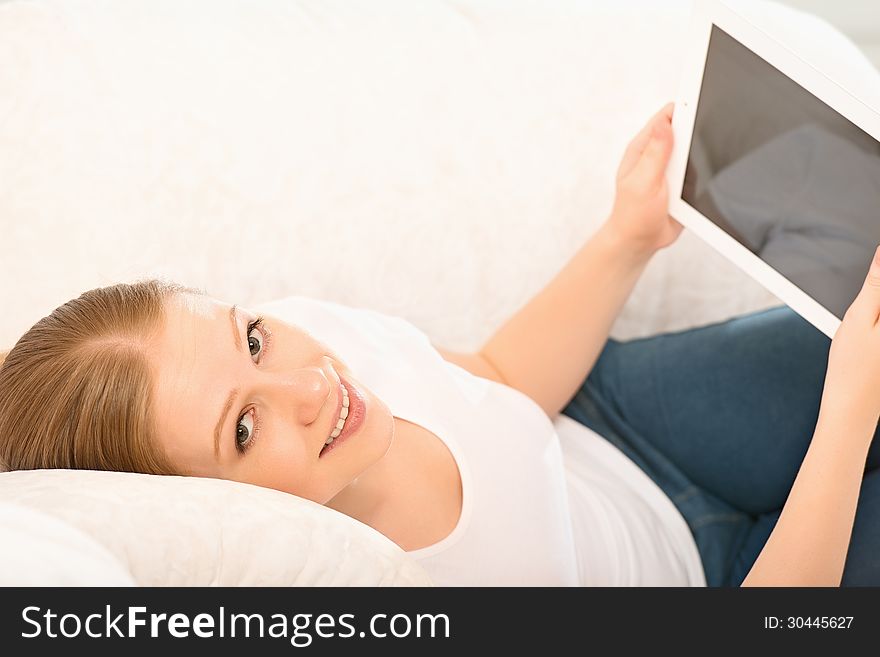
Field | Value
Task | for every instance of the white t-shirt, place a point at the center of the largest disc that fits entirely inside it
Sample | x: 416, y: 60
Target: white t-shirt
x: 536, y: 510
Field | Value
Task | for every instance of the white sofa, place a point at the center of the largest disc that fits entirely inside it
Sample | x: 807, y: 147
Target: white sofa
x: 357, y: 151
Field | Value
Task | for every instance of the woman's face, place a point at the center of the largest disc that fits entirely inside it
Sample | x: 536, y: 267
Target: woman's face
x: 257, y: 406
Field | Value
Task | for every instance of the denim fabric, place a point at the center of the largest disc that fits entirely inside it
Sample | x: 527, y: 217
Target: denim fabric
x: 720, y: 417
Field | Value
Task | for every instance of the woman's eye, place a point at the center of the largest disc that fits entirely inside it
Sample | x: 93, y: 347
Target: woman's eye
x: 243, y: 432
x: 255, y: 345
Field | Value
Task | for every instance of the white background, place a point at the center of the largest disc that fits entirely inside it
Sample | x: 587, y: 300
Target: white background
x: 858, y: 19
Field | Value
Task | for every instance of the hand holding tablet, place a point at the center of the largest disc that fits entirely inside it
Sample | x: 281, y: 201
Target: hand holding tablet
x: 775, y: 165
x: 641, y: 202
x: 853, y: 376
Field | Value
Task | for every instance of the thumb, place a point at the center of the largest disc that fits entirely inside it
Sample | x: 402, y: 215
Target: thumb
x: 655, y: 157
x: 868, y: 300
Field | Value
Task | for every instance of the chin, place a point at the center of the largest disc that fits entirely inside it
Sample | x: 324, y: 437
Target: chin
x: 380, y: 425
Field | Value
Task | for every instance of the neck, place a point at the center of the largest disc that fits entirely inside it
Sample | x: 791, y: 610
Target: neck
x: 375, y: 494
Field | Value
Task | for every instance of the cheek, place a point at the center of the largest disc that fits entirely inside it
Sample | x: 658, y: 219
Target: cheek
x: 288, y: 476
x: 284, y: 465
x: 272, y: 462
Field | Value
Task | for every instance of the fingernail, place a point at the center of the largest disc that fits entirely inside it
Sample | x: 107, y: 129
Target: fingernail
x: 877, y: 257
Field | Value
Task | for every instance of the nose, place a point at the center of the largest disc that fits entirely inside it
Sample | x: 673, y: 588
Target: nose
x: 305, y: 392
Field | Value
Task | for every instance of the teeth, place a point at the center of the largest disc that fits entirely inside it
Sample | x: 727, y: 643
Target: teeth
x: 342, y: 415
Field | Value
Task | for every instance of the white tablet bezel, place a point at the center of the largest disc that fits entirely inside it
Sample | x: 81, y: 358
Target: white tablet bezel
x: 714, y: 12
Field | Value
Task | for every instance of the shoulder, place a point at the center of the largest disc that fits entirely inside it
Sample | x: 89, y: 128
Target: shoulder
x: 475, y: 363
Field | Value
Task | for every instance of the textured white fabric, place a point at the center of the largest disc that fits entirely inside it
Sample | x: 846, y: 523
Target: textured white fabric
x: 193, y: 531
x: 354, y: 150
x: 520, y: 497
x: 40, y: 550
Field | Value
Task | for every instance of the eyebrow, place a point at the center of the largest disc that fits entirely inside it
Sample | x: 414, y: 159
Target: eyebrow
x: 231, y: 398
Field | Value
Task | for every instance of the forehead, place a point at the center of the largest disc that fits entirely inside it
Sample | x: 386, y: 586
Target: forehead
x: 196, y: 306
x: 187, y: 314
x: 194, y: 325
x: 189, y: 358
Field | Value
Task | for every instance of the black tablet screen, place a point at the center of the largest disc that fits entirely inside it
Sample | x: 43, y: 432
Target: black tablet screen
x: 784, y: 174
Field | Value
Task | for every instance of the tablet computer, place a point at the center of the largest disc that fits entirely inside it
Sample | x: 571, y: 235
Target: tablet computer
x: 775, y: 165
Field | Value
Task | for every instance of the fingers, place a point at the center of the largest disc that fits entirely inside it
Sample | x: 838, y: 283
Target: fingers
x: 643, y: 139
x: 866, y: 305
x: 659, y: 147
x: 655, y: 156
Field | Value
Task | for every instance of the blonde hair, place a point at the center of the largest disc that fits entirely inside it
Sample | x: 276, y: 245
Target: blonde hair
x: 76, y: 389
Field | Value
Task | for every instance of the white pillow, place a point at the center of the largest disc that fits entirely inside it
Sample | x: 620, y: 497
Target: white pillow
x: 40, y: 550
x: 185, y: 531
x: 92, y: 528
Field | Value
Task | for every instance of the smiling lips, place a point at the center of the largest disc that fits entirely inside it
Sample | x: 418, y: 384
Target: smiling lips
x: 351, y: 411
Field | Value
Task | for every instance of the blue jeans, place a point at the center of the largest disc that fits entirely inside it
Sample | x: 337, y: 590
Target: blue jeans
x: 720, y: 417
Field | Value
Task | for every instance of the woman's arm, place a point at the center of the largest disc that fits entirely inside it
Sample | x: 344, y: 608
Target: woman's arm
x: 808, y: 546
x: 550, y: 345
x: 473, y: 363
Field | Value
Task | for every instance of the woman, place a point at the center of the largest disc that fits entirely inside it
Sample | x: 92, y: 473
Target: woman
x: 462, y: 468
